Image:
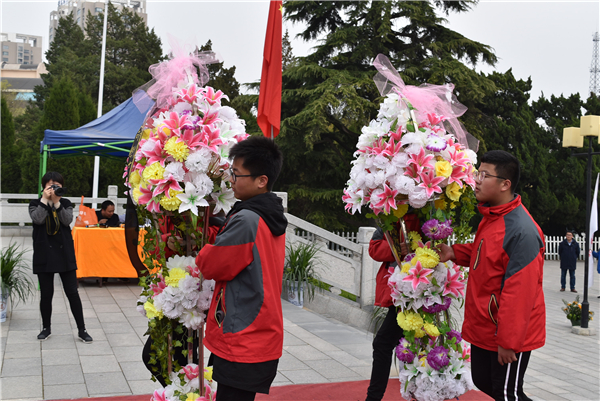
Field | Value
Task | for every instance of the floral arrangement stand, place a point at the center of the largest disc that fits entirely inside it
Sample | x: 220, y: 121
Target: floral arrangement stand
x: 573, y: 312
x: 177, y: 174
x: 415, y: 157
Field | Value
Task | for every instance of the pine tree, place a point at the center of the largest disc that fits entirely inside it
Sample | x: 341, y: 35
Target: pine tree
x: 9, y: 168
x: 288, y: 59
x: 329, y: 95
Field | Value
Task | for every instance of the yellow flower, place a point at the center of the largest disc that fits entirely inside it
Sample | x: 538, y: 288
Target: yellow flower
x: 453, y: 205
x: 443, y: 169
x: 428, y: 257
x: 171, y: 204
x: 423, y: 361
x: 192, y: 396
x: 146, y: 133
x: 431, y: 330
x: 419, y: 333
x: 401, y: 211
x: 175, y: 276
x: 134, y: 177
x: 136, y: 192
x: 440, y: 204
x: 400, y: 318
x: 414, y: 238
x: 151, y: 311
x: 179, y: 150
x: 412, y: 321
x: 453, y: 191
x: 153, y: 172
x: 406, y: 267
x: 208, y: 372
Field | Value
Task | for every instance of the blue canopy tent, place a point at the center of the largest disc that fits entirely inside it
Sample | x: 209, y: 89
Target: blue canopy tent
x: 111, y: 135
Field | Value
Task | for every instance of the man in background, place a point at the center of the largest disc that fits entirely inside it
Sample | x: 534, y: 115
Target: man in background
x: 568, y: 251
x: 106, y: 215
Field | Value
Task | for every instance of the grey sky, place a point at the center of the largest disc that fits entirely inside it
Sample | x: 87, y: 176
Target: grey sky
x: 549, y: 41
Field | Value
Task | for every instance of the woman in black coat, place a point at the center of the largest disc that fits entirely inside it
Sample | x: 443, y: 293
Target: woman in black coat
x: 54, y: 252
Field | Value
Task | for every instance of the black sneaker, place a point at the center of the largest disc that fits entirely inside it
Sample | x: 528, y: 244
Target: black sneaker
x: 44, y: 335
x: 85, y: 337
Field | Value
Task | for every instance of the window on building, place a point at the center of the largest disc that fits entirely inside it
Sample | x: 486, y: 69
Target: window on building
x: 78, y: 20
x: 20, y: 48
x: 79, y: 11
x: 4, y: 60
x: 99, y: 10
x: 5, y: 53
x: 26, y: 58
x: 5, y: 47
x: 26, y: 51
x: 26, y: 62
x: 20, y: 54
x: 20, y: 61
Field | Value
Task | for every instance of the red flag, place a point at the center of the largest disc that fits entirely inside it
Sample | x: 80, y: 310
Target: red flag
x: 269, y: 98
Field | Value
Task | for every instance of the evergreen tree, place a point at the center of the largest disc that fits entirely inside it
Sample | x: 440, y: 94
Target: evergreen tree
x: 221, y: 78
x: 329, y: 95
x: 9, y: 168
x: 288, y: 59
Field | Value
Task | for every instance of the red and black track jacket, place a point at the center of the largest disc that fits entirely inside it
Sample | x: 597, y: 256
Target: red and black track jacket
x: 245, y: 320
x: 380, y: 251
x: 505, y: 299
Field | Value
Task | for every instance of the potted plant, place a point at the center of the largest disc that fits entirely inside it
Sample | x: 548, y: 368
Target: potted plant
x: 14, y: 281
x: 573, y: 311
x: 299, y: 272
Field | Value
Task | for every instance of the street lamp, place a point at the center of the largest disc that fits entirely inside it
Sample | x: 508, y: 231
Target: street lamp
x: 573, y: 138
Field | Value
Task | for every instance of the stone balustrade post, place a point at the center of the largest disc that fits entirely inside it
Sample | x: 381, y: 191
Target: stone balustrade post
x: 369, y: 268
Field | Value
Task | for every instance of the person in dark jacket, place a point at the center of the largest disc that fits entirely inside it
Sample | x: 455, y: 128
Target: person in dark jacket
x: 568, y: 251
x: 389, y: 333
x: 54, y: 252
x: 106, y: 215
x: 244, y: 326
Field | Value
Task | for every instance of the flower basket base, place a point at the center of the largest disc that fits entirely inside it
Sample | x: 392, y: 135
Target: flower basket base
x: 576, y: 322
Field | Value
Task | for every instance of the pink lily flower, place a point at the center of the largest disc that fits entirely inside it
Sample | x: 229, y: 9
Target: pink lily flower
x: 417, y: 275
x: 157, y: 154
x: 387, y: 199
x: 469, y: 176
x: 152, y: 204
x: 191, y: 140
x: 378, y: 147
x: 430, y: 182
x: 175, y: 122
x: 458, y: 175
x: 434, y: 119
x: 158, y: 287
x: 453, y: 284
x: 420, y: 161
x: 189, y: 94
x: 466, y: 353
x: 213, y: 97
x: 211, y: 138
x: 396, y: 135
x: 159, y: 395
x: 458, y: 158
x: 412, y: 171
x: 191, y: 372
x: 392, y: 148
x: 163, y: 186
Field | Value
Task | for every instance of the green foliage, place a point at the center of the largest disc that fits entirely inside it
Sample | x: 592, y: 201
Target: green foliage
x: 299, y: 267
x: 9, y: 167
x: 573, y: 310
x: 329, y: 95
x: 221, y: 78
x: 13, y: 277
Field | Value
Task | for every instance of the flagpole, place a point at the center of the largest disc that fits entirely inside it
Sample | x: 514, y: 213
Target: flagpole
x: 100, y: 96
x: 585, y: 305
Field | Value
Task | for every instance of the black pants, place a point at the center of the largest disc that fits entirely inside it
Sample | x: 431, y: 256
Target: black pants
x: 177, y: 355
x: 502, y: 383
x: 69, y: 282
x: 386, y: 340
x: 228, y: 393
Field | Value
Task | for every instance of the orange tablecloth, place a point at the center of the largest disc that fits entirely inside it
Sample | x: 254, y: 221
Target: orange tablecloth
x: 101, y: 252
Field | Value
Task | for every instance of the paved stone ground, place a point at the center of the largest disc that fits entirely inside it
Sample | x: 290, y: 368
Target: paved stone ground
x: 316, y: 349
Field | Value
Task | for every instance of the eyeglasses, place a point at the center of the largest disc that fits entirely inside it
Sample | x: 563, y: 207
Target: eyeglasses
x: 235, y: 176
x: 481, y: 175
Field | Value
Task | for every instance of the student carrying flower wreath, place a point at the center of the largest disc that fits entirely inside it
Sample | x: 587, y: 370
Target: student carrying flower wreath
x: 505, y: 312
x: 390, y: 333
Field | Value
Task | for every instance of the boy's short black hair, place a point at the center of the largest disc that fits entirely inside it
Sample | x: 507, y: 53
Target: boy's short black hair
x: 261, y: 157
x: 506, y: 166
x: 52, y: 176
x: 106, y: 204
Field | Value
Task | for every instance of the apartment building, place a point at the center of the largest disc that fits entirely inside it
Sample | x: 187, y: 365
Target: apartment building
x: 20, y: 48
x: 80, y: 9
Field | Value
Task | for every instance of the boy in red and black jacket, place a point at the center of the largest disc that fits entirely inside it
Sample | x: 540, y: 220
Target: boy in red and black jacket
x: 389, y: 334
x: 244, y: 326
x: 505, y: 311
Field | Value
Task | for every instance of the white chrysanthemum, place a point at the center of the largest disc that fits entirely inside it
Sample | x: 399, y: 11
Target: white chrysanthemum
x: 181, y: 262
x: 381, y: 162
x: 374, y: 179
x: 404, y: 184
x: 189, y: 284
x: 204, y: 185
x: 411, y: 138
x: 471, y: 155
x: 175, y: 169
x: 417, y: 197
x: 208, y: 285
x: 192, y: 319
x: 180, y: 107
x: 204, y: 299
x: 199, y: 160
x: 400, y: 159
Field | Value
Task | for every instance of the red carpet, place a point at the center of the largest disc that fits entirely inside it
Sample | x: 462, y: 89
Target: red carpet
x: 344, y: 391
